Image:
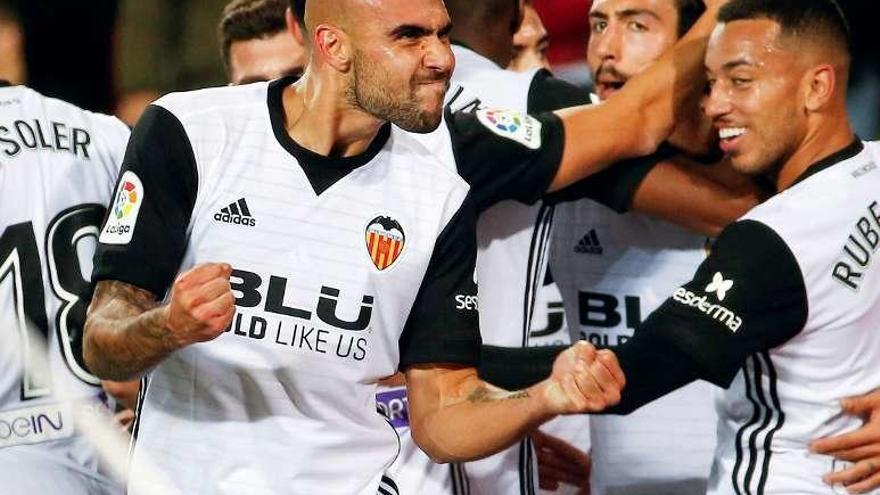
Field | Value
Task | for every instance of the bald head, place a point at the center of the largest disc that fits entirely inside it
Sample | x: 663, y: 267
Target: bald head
x: 388, y: 58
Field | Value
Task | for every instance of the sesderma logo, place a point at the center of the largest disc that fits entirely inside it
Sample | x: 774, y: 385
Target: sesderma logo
x: 717, y: 312
x: 236, y: 213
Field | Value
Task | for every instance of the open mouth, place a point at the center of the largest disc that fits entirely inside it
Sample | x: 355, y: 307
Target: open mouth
x: 730, y: 137
x: 608, y: 87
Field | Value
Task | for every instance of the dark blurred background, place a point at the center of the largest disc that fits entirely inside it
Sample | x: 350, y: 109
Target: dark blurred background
x: 115, y: 56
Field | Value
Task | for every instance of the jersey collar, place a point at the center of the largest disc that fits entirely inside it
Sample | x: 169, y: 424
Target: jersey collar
x: 322, y: 171
x: 851, y: 150
x: 4, y: 83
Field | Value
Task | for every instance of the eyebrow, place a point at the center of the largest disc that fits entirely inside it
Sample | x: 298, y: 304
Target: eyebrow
x: 625, y: 14
x: 733, y: 64
x: 416, y: 31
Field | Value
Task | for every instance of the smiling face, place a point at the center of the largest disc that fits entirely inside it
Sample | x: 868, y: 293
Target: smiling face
x: 401, y: 62
x: 626, y: 36
x: 755, y: 93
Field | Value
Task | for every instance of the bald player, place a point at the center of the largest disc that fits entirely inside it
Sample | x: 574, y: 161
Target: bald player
x: 309, y: 248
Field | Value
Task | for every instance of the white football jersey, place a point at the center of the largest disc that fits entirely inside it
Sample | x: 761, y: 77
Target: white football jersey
x: 345, y: 270
x: 58, y: 164
x: 783, y: 315
x: 613, y: 270
x: 787, y: 396
x: 514, y: 239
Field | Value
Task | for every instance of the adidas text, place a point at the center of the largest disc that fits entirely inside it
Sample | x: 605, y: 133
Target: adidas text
x: 235, y: 219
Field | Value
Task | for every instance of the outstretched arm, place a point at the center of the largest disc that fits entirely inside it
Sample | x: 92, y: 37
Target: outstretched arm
x: 455, y: 416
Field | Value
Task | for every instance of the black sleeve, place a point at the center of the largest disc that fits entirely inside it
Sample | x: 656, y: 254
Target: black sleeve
x: 514, y: 368
x: 144, y: 235
x: 547, y: 93
x: 505, y: 154
x: 441, y: 328
x: 615, y: 186
x: 748, y: 296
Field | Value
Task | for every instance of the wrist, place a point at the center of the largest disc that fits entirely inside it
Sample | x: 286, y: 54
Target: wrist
x: 545, y: 396
x: 160, y: 323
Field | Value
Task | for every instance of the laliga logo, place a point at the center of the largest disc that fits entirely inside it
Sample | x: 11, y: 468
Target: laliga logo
x: 504, y: 121
x: 125, y: 200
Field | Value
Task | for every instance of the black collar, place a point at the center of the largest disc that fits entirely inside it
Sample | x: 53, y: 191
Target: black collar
x: 4, y: 82
x: 851, y: 150
x: 322, y: 171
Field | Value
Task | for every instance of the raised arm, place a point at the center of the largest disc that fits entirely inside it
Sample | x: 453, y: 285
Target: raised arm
x: 127, y: 332
x: 455, y: 416
x: 642, y: 115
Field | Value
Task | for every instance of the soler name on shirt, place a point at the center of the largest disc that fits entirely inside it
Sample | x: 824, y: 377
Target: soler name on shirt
x: 320, y: 330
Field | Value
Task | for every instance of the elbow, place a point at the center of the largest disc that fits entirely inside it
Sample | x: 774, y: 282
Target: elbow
x: 431, y: 448
x: 94, y: 357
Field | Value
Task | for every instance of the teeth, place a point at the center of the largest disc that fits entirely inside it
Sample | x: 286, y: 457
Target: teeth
x: 731, y: 132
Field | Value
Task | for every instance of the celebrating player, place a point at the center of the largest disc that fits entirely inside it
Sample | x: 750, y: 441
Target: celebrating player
x: 360, y: 238
x: 612, y: 269
x: 783, y: 323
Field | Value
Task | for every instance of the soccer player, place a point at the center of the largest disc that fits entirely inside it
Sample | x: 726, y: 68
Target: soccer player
x: 530, y: 42
x: 58, y: 164
x: 514, y: 237
x: 612, y: 269
x: 783, y: 312
x: 360, y: 238
x: 255, y: 42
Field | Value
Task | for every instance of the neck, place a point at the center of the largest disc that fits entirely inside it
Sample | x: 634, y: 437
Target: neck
x: 830, y: 136
x: 319, y: 118
x: 495, y: 44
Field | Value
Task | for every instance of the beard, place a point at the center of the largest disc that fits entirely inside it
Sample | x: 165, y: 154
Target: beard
x: 370, y: 91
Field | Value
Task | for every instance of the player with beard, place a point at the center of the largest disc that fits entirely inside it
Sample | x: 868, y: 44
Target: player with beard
x: 613, y: 268
x: 782, y: 322
x: 361, y: 235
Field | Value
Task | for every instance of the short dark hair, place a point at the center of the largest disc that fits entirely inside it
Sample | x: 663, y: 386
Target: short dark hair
x: 799, y: 18
x: 688, y: 13
x: 9, y: 11
x: 244, y: 20
x: 298, y: 7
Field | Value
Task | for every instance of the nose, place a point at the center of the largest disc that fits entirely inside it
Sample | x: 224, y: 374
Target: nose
x: 606, y: 44
x: 717, y: 103
x: 438, y: 56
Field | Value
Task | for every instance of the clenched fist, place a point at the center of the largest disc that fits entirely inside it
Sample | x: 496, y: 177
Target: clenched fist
x: 201, y: 305
x: 583, y: 380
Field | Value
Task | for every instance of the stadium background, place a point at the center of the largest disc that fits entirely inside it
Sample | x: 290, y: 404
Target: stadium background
x: 116, y: 55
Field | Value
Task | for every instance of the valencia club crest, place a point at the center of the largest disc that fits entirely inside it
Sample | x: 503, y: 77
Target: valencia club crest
x: 385, y: 241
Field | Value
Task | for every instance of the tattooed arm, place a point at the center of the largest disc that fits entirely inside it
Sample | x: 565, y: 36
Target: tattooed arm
x: 127, y: 332
x: 455, y: 416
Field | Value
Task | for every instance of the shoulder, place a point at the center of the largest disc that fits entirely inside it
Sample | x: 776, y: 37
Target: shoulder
x: 431, y: 154
x: 548, y: 93
x: 221, y: 100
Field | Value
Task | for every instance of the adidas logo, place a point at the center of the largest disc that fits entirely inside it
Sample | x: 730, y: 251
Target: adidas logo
x: 236, y: 213
x: 589, y: 244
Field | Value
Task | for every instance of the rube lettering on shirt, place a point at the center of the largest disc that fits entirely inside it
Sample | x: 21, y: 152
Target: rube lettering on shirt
x: 858, y: 249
